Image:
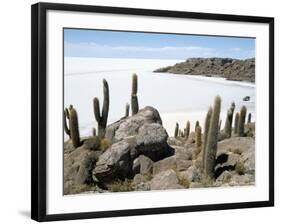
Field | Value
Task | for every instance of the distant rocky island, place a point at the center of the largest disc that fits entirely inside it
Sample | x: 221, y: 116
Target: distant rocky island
x: 231, y: 69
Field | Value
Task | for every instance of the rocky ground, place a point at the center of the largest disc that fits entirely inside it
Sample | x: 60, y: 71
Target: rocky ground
x: 138, y: 155
x: 231, y: 69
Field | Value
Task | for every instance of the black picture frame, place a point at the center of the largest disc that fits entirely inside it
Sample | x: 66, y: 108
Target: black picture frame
x: 39, y: 122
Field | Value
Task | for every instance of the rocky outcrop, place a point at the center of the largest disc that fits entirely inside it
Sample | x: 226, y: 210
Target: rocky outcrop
x: 231, y: 69
x: 136, y: 136
x: 140, y: 156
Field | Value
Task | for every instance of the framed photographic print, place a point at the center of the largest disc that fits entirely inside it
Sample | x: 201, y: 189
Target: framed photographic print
x: 139, y: 111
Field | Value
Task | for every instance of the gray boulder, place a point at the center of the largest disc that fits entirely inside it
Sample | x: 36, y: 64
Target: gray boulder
x: 192, y: 174
x: 142, y: 165
x: 115, y: 161
x: 180, y: 161
x: 130, y: 126
x: 234, y: 150
x: 151, y: 141
x: 146, y: 165
x: 165, y: 180
x: 77, y: 168
x: 138, y: 179
x: 141, y: 134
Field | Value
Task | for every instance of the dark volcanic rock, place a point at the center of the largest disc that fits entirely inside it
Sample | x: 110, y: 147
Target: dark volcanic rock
x: 231, y: 69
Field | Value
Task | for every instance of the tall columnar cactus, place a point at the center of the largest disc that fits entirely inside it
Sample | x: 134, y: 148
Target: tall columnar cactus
x: 198, y: 137
x: 249, y: 118
x: 94, y: 132
x: 74, y: 127
x: 127, y: 110
x: 102, y: 118
x: 236, y: 122
x: 65, y: 117
x: 176, y: 130
x: 206, y: 130
x: 198, y: 142
x: 134, y: 97
x: 196, y: 124
x: 241, y: 123
x: 232, y: 108
x: 228, y: 120
x: 187, y: 130
x: 212, y: 140
x: 228, y: 123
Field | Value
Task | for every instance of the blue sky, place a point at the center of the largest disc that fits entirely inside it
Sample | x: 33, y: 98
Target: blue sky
x: 114, y: 44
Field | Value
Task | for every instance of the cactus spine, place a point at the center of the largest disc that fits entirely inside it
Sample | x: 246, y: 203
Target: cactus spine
x: 236, y: 122
x: 134, y: 97
x: 187, y: 130
x: 241, y: 122
x: 176, y: 130
x: 74, y: 127
x: 127, y: 110
x: 249, y: 118
x: 102, y: 118
x: 206, y: 130
x: 212, y: 140
x: 65, y: 117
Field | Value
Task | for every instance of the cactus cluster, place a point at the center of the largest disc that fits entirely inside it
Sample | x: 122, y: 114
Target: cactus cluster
x: 182, y: 133
x: 101, y: 118
x: 134, y: 97
x: 73, y: 130
x: 210, y: 148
